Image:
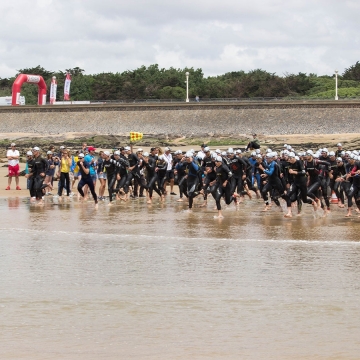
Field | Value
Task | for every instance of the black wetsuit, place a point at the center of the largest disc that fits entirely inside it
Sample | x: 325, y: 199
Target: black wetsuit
x: 238, y: 168
x: 355, y: 186
x: 86, y: 180
x: 299, y: 184
x: 314, y: 181
x: 40, y: 167
x: 181, y: 168
x: 112, y: 168
x: 31, y: 164
x: 123, y: 166
x: 134, y: 173
x: 161, y: 166
x: 152, y: 177
x: 218, y: 190
x: 193, y: 170
x: 274, y: 185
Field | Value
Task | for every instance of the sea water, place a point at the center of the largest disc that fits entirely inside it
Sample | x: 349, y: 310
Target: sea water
x: 135, y: 281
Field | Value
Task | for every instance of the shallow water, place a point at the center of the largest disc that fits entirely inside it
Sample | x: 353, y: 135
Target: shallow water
x: 154, y: 282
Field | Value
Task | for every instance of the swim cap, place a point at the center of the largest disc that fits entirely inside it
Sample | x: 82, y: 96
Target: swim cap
x: 145, y: 154
x: 223, y: 153
x: 117, y: 152
x: 81, y: 155
x: 219, y: 159
x: 331, y: 153
x: 253, y: 153
x: 259, y: 156
x: 339, y: 144
x: 339, y: 159
x: 230, y: 151
x: 207, y: 149
x: 106, y: 153
x: 291, y: 154
x: 257, y: 151
x: 49, y: 153
x: 218, y: 151
x: 29, y: 153
x: 268, y: 150
x: 325, y: 150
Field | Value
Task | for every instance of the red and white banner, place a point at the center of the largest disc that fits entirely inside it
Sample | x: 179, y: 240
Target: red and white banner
x: 67, y: 87
x: 53, y: 89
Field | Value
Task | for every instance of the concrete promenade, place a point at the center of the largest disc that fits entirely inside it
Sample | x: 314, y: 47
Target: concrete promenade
x: 217, y: 118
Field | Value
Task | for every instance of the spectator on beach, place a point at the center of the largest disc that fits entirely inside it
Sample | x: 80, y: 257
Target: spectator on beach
x: 50, y: 172
x: 65, y: 164
x: 13, y: 156
x: 254, y: 144
x: 197, y: 99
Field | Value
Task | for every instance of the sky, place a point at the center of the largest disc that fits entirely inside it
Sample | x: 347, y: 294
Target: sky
x: 281, y: 37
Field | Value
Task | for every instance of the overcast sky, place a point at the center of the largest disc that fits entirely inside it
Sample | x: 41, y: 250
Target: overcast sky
x: 312, y: 36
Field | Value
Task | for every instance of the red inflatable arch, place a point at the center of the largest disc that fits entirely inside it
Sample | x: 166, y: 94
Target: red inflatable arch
x: 32, y: 79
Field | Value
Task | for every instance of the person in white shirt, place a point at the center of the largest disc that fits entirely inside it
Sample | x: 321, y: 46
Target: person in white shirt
x: 13, y: 156
x: 169, y: 171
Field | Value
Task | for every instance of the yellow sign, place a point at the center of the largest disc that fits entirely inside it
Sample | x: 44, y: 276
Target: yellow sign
x: 135, y: 136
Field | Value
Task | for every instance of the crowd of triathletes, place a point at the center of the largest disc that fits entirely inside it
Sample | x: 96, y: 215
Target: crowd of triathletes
x: 308, y: 177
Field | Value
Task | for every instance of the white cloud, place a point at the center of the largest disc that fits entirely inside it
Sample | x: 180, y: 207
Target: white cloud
x: 115, y: 36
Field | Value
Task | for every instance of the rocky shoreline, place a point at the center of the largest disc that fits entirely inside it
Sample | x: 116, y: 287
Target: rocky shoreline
x: 73, y: 141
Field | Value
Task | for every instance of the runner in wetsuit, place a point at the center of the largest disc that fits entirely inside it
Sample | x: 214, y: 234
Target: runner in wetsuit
x: 238, y: 168
x: 180, y: 174
x: 347, y: 183
x: 296, y: 169
x: 161, y: 169
x: 192, y: 178
x: 39, y: 171
x: 313, y: 170
x: 112, y: 168
x: 151, y: 175
x: 272, y: 174
x: 220, y: 187
x: 207, y: 167
x: 30, y: 162
x: 123, y: 172
x: 339, y: 179
x: 355, y: 174
x: 86, y: 178
x: 133, y: 172
x: 249, y: 181
x: 325, y: 179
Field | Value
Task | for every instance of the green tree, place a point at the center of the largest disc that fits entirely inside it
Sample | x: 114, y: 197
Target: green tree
x: 352, y: 73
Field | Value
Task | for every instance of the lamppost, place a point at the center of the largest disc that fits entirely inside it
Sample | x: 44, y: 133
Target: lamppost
x: 187, y: 86
x: 336, y: 85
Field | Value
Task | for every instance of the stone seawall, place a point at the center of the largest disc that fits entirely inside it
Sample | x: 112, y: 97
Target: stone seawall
x: 186, y: 119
